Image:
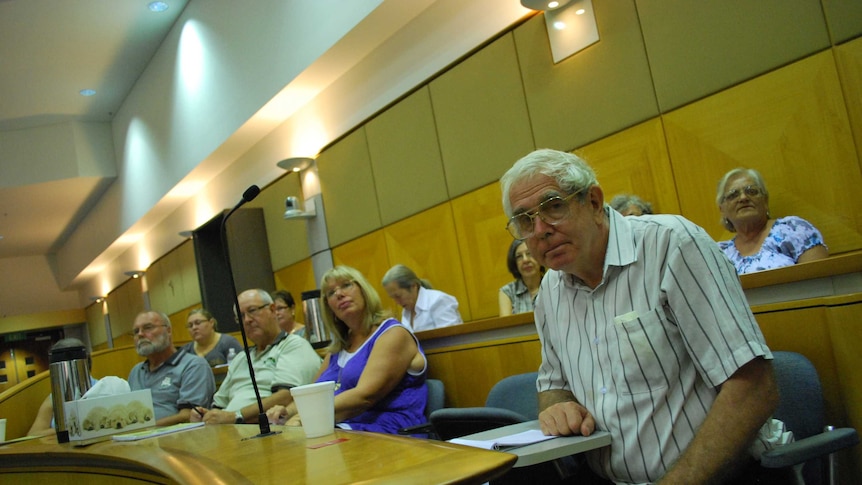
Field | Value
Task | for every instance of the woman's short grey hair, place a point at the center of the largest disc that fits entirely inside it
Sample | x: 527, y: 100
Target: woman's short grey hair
x: 405, y: 278
x: 571, y: 172
x: 622, y: 202
x: 735, y: 173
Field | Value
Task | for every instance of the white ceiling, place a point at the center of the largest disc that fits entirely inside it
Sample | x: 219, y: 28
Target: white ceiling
x: 52, y: 252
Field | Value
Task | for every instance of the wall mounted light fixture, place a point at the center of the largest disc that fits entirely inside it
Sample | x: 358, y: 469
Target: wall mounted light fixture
x: 134, y: 274
x: 571, y: 25
x: 295, y: 164
x: 98, y: 299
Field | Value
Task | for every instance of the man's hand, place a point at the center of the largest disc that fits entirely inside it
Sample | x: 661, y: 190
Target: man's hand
x: 567, y: 418
x: 213, y: 416
x: 277, y: 414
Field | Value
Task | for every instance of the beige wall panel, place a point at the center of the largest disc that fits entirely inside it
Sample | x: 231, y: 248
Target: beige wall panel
x: 96, y: 325
x: 405, y: 157
x: 347, y: 185
x: 296, y: 278
x: 484, y: 242
x: 849, y: 57
x: 487, y: 362
x: 846, y: 334
x: 790, y: 125
x: 172, y: 281
x: 481, y: 117
x: 699, y: 48
x: 427, y: 244
x: 368, y: 255
x: 635, y: 161
x: 188, y: 266
x: 288, y: 240
x: 844, y: 18
x: 598, y: 91
x: 124, y: 303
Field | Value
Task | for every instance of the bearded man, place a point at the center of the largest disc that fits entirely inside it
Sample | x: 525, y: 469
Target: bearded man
x: 179, y: 380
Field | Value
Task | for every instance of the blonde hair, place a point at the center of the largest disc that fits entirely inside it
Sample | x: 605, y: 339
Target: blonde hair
x: 375, y: 314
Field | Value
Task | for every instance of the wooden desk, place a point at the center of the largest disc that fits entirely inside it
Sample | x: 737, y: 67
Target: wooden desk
x: 545, y: 450
x: 218, y: 455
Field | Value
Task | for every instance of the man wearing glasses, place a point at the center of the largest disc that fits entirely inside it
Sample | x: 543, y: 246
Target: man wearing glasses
x: 280, y: 361
x: 645, y: 333
x: 178, y: 380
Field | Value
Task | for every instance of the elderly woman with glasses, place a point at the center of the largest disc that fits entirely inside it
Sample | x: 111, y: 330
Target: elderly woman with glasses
x: 762, y: 242
x: 376, y: 362
x: 206, y: 341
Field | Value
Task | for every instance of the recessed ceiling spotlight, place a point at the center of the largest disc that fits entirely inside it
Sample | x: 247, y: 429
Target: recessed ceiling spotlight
x: 134, y: 274
x: 87, y: 92
x: 157, y: 6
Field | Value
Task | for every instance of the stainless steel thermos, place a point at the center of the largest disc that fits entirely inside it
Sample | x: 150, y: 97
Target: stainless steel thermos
x: 315, y: 330
x: 70, y: 379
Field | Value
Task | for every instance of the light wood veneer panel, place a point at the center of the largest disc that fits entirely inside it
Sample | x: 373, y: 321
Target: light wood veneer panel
x: 598, y: 91
x: 427, y: 244
x: 405, y: 156
x: 635, y: 161
x: 368, y: 255
x: 468, y: 373
x: 792, y: 126
x: 297, y: 278
x: 172, y: 280
x: 124, y: 304
x: 846, y: 333
x: 347, y: 185
x: 481, y: 117
x: 849, y: 58
x: 96, y: 325
x: 699, y: 48
x: 484, y: 242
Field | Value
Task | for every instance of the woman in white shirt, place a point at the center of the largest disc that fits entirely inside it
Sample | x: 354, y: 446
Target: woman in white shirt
x: 424, y: 308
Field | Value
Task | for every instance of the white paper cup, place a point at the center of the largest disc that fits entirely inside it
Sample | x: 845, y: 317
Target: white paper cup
x: 2, y: 430
x: 316, y: 406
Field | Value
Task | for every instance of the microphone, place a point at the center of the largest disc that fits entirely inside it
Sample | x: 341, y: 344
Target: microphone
x: 247, y: 196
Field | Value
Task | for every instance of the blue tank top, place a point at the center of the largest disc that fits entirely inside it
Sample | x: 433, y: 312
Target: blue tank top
x: 403, y: 406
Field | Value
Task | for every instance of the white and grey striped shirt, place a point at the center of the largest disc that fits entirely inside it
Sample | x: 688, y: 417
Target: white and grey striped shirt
x: 645, y: 350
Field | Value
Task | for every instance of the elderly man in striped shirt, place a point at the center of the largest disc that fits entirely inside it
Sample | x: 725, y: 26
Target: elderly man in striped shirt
x: 645, y: 333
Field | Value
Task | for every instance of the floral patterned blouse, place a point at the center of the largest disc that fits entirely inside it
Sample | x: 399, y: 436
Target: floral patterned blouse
x: 789, y: 237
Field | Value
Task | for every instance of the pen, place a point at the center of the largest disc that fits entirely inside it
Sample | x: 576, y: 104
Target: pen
x: 200, y: 410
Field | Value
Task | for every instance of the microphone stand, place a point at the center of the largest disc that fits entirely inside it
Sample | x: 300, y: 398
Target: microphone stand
x: 247, y: 196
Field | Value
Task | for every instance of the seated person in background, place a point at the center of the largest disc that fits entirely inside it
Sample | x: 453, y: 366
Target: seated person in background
x: 207, y: 343
x: 424, y: 308
x: 285, y: 312
x: 179, y: 380
x: 644, y: 331
x: 376, y: 363
x: 280, y: 361
x: 762, y: 242
x: 43, y: 425
x: 518, y: 296
x: 630, y: 205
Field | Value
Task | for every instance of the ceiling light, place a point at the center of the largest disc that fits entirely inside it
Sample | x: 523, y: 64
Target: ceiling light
x: 157, y: 6
x: 186, y: 234
x: 543, y: 4
x: 87, y: 92
x: 134, y: 274
x: 295, y: 164
x: 98, y: 299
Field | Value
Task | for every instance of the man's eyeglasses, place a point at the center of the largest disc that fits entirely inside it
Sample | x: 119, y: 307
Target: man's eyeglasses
x: 750, y: 190
x: 553, y: 211
x: 251, y: 312
x: 343, y: 288
x: 147, y: 328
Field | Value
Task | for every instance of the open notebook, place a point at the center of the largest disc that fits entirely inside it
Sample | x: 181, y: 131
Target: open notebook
x: 523, y: 438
